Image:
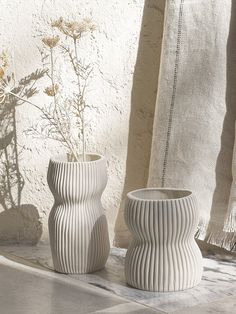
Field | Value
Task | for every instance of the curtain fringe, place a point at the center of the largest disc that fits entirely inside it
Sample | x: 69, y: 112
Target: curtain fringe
x: 230, y: 223
x: 225, y: 239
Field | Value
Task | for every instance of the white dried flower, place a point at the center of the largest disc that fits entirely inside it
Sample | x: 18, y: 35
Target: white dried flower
x: 72, y: 28
x: 51, y: 90
x: 51, y: 42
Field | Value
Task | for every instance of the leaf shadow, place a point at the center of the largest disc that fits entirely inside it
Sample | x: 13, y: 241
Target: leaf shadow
x: 19, y: 223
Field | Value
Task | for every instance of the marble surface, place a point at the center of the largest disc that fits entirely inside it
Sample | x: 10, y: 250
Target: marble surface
x: 29, y: 290
x: 222, y: 306
x: 217, y: 290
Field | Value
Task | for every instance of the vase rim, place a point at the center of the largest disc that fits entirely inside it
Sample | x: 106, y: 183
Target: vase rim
x: 134, y: 195
x: 61, y: 159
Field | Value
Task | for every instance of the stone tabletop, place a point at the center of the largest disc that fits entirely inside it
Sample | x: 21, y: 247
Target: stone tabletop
x: 215, y: 294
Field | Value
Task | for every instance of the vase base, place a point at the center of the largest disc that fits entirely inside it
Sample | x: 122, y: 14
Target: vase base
x: 163, y: 290
x: 61, y: 271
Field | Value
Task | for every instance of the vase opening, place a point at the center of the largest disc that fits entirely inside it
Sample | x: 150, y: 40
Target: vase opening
x: 158, y: 194
x: 64, y: 158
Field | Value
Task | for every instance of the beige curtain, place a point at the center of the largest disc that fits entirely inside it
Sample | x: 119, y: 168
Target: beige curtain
x: 194, y: 127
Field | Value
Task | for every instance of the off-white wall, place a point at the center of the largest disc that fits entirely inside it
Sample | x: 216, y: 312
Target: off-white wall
x: 124, y: 95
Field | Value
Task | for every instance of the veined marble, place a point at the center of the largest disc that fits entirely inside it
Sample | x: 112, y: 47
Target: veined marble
x: 218, y: 284
x: 27, y: 290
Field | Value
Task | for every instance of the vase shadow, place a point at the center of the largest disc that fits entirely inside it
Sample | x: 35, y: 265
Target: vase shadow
x: 143, y: 100
x: 100, y: 229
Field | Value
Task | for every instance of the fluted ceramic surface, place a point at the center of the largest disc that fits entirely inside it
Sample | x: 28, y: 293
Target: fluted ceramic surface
x: 163, y: 255
x: 77, y: 223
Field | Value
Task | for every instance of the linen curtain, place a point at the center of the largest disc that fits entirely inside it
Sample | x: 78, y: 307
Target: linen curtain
x: 194, y: 125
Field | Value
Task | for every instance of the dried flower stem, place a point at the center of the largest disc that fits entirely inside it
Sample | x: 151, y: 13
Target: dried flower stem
x: 77, y: 61
x: 82, y: 112
x: 57, y: 108
x: 52, y: 78
x: 54, y: 91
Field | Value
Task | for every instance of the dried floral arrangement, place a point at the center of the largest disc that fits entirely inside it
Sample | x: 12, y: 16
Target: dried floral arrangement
x: 64, y: 114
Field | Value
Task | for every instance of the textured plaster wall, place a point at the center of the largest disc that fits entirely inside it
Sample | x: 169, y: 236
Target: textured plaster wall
x: 125, y: 53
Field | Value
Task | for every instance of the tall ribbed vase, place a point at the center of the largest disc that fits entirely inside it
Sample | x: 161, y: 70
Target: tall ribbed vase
x: 163, y: 255
x: 77, y: 223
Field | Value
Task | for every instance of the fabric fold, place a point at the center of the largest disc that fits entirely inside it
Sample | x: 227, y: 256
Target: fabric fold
x: 194, y: 125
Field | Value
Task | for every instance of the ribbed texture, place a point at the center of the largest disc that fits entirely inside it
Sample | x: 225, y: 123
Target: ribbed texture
x: 77, y: 224
x: 163, y: 255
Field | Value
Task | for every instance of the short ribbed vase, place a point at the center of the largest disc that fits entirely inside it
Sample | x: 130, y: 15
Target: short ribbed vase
x: 163, y: 255
x: 77, y: 223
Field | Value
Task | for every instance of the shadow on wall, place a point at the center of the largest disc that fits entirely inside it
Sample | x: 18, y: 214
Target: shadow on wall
x: 224, y: 161
x: 143, y: 101
x: 19, y: 223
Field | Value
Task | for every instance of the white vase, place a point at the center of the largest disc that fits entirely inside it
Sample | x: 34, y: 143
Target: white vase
x: 77, y: 223
x: 163, y: 255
